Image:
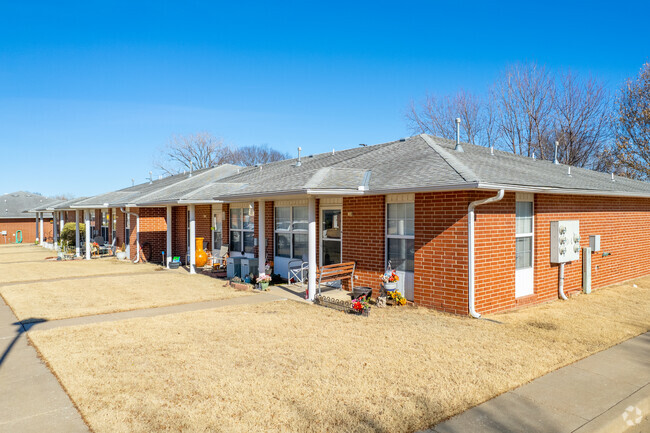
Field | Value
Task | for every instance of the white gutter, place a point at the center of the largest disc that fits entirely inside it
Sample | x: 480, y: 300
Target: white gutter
x: 137, y: 233
x: 470, y: 247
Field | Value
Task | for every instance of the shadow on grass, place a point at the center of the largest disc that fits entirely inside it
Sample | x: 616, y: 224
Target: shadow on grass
x: 23, y: 327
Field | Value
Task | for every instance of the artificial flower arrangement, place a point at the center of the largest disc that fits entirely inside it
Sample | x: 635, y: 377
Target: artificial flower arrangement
x: 397, y: 297
x: 263, y: 278
x: 263, y: 281
x: 361, y: 306
x: 390, y: 277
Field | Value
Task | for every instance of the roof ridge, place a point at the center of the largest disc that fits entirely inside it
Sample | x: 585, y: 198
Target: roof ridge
x: 465, y: 172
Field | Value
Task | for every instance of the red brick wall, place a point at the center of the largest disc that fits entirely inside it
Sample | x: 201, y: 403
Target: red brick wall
x: 179, y: 232
x: 133, y: 232
x: 494, y: 253
x: 440, y: 268
x: 28, y: 228
x: 269, y: 209
x: 225, y: 232
x: 119, y: 228
x: 363, y: 237
x: 153, y: 232
x: 622, y: 224
x: 203, y: 218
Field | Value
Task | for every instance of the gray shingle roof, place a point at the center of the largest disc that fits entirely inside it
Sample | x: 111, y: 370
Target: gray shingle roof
x: 422, y: 163
x: 23, y: 204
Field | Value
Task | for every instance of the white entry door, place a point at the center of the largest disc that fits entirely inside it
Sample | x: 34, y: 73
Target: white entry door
x: 400, y: 244
x: 217, y: 220
x: 524, y: 238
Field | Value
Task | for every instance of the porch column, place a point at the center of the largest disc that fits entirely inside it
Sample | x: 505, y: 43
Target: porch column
x: 61, y: 222
x: 87, y: 222
x: 40, y: 228
x: 77, y: 244
x: 55, y: 230
x: 192, y: 209
x: 261, y: 242
x: 168, y: 257
x: 312, y: 248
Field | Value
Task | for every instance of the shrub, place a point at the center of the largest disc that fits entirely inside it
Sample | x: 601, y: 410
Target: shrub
x: 68, y: 233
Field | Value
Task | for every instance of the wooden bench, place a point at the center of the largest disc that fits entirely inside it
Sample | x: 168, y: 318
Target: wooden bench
x: 335, y: 272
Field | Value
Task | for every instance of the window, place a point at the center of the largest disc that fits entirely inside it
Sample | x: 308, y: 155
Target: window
x: 291, y: 237
x: 105, y: 219
x: 242, y: 226
x: 400, y: 239
x: 524, y: 234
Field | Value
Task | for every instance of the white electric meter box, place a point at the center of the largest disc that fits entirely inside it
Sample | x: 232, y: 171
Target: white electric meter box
x: 594, y: 243
x: 565, y: 241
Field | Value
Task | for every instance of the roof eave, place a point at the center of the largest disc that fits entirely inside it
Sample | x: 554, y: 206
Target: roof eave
x: 556, y: 190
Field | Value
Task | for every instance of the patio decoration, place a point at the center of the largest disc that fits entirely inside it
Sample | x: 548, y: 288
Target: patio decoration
x: 397, y: 297
x: 390, y: 280
x: 263, y: 281
x: 381, y: 302
x: 361, y: 306
x: 200, y: 257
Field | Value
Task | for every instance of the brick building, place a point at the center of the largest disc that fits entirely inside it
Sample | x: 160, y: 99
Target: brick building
x: 467, y: 228
x: 18, y: 224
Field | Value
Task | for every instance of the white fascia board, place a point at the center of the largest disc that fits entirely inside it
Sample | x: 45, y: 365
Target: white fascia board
x: 567, y: 191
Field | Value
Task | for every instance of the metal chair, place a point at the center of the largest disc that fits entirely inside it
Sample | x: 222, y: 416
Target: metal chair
x: 298, y: 270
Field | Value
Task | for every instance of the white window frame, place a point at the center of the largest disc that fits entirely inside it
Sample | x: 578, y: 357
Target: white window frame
x: 239, y: 207
x: 397, y: 200
x: 290, y: 231
x: 531, y: 235
x: 320, y: 230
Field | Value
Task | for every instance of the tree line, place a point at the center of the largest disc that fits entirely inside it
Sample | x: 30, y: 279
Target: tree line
x: 529, y: 107
x: 203, y: 150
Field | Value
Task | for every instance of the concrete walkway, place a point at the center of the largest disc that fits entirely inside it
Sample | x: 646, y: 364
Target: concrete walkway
x: 31, y: 399
x: 600, y: 393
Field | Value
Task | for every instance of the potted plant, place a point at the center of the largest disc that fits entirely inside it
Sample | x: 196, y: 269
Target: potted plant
x: 390, y: 280
x: 263, y: 281
x: 397, y: 297
x: 361, y: 306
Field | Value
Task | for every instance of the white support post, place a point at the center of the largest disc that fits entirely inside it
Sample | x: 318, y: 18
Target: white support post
x: 261, y: 241
x: 61, y: 223
x: 312, y: 249
x: 127, y: 233
x: 76, y: 235
x: 168, y: 257
x: 40, y: 228
x: 192, y: 209
x: 55, y: 230
x: 88, y: 240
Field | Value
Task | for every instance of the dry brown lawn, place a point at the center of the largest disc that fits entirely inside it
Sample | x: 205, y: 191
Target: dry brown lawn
x: 289, y: 366
x: 37, y: 289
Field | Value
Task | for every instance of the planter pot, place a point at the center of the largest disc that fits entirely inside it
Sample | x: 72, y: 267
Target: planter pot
x: 200, y: 256
x: 121, y: 255
x: 390, y: 287
x: 264, y: 286
x: 365, y: 312
x: 174, y: 265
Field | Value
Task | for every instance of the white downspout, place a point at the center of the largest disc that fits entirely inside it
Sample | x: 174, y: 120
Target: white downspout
x: 470, y: 247
x: 560, y: 287
x: 137, y: 233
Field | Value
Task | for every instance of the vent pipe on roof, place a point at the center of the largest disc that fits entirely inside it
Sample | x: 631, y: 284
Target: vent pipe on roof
x: 458, y: 147
x: 613, y: 180
x: 569, y: 172
x: 298, y: 163
x: 555, y: 161
x: 191, y: 168
x: 132, y: 181
x: 150, y: 178
x: 534, y: 155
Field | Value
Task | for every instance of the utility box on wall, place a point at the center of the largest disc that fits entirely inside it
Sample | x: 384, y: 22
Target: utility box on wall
x: 565, y: 241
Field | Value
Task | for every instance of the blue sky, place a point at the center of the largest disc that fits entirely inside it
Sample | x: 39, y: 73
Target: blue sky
x: 90, y: 91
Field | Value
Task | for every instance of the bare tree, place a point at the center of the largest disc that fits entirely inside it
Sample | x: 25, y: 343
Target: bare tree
x: 192, y: 152
x: 435, y: 116
x: 253, y: 155
x: 631, y: 152
x: 525, y: 95
x: 582, y: 117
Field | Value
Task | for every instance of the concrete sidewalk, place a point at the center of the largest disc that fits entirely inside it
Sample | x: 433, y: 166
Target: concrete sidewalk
x: 31, y: 399
x: 606, y: 392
